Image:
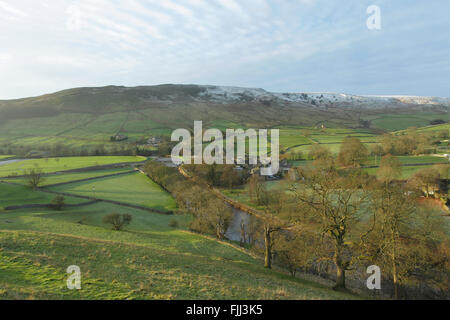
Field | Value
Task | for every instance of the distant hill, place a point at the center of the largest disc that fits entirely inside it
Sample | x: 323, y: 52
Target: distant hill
x: 114, y: 98
x: 81, y: 115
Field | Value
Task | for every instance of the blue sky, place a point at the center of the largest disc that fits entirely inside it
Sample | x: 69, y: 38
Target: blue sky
x: 278, y: 45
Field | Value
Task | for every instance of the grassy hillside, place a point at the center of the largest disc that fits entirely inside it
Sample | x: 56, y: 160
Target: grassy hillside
x: 86, y: 118
x: 147, y: 261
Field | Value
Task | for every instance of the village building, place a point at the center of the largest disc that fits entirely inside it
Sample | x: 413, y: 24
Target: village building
x: 154, y: 141
x: 119, y: 137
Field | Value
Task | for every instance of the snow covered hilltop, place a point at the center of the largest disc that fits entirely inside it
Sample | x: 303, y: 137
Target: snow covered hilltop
x: 224, y: 94
x: 119, y: 98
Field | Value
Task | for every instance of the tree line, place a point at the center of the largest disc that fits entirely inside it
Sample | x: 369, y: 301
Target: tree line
x: 209, y: 214
x: 62, y: 150
x: 326, y: 217
x: 354, y: 153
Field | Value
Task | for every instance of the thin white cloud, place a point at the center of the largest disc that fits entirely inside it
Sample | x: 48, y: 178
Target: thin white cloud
x: 152, y: 14
x: 5, y: 57
x: 234, y: 7
x: 176, y: 8
x: 12, y: 10
x: 236, y: 42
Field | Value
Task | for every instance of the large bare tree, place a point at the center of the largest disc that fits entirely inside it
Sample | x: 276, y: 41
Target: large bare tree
x: 408, y: 239
x: 331, y: 200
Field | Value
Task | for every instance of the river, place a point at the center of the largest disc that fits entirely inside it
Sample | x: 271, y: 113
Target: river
x: 234, y: 229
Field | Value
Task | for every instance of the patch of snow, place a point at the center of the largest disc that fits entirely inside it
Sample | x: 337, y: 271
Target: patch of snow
x: 226, y: 94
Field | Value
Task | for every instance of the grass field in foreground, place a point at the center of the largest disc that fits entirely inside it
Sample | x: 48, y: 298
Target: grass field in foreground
x: 64, y: 163
x: 133, y: 188
x: 149, y: 260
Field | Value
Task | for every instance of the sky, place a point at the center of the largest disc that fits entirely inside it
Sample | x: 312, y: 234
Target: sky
x: 278, y: 45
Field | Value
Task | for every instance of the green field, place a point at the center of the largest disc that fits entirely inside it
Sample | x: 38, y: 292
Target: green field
x: 300, y: 163
x: 62, y: 164
x: 334, y: 149
x: 11, y: 195
x: 67, y: 177
x: 422, y: 159
x: 411, y: 160
x: 240, y: 195
x: 133, y: 188
x: 339, y: 138
x: 147, y: 261
x: 407, y: 172
x: 401, y: 121
x: 439, y: 127
x: 292, y: 137
x: 435, y: 128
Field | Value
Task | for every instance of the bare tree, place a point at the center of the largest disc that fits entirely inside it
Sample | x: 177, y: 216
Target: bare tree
x: 409, y: 241
x: 228, y: 177
x: 296, y: 249
x: 257, y: 190
x: 353, y: 153
x: 118, y: 221
x: 392, y: 207
x: 243, y: 235
x: 219, y: 216
x: 58, y: 202
x: 319, y: 152
x: 331, y: 200
x: 425, y: 180
x: 390, y: 169
x: 275, y: 207
x: 34, y: 177
x: 252, y: 229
